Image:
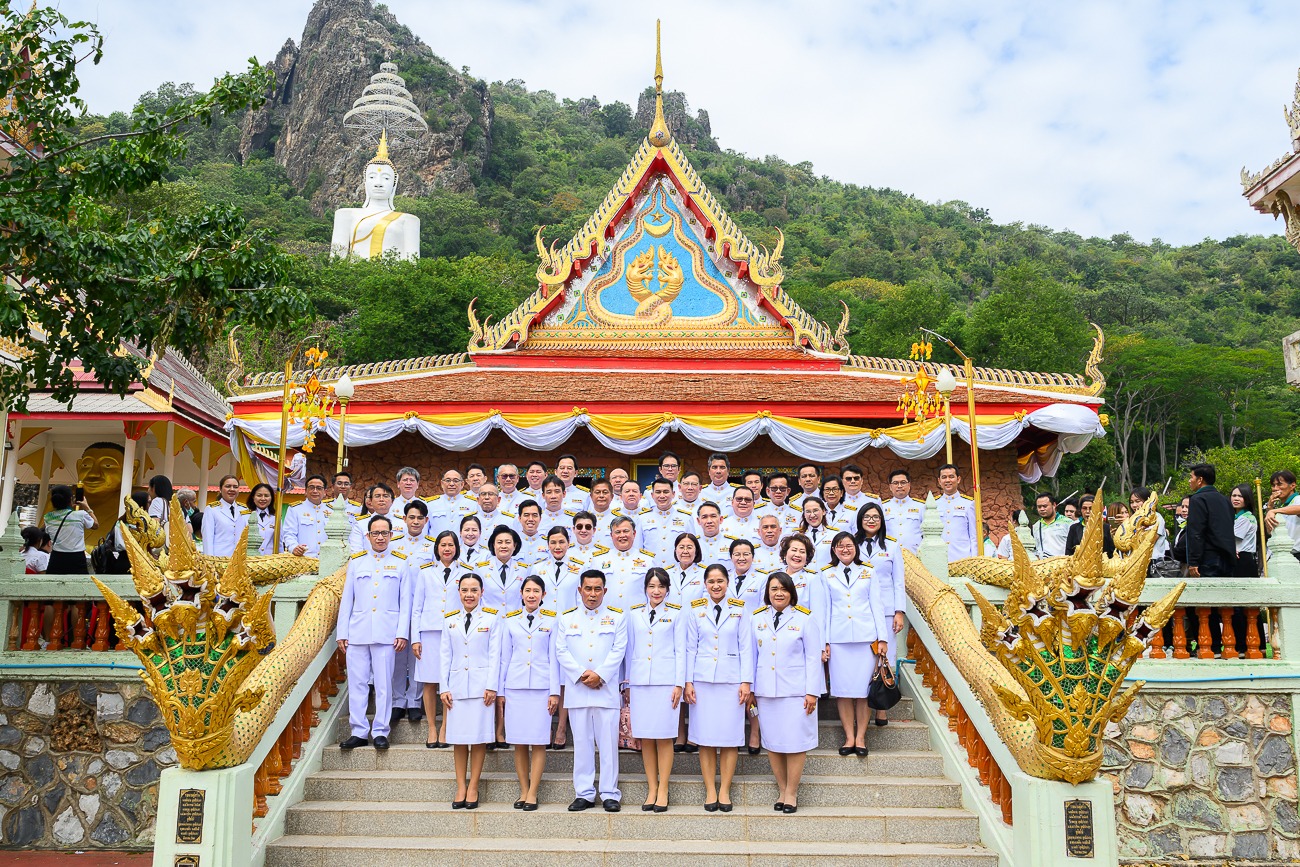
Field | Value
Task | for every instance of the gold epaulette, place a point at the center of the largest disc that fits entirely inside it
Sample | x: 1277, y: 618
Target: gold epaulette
x: 547, y: 612
x: 700, y: 603
x: 584, y: 490
x: 673, y: 606
x: 964, y: 497
x: 509, y: 514
x: 601, y: 549
x: 891, y: 539
x: 612, y: 608
x: 430, y: 563
x: 636, y: 606
x: 735, y: 602
x: 824, y: 568
x: 358, y: 554
x: 644, y: 510
x: 245, y: 511
x: 428, y: 499
x: 756, y: 610
x: 451, y: 614
x: 647, y: 553
x: 467, y: 495
x: 484, y: 563
x: 399, y: 555
x: 801, y: 608
x: 570, y: 512
x: 917, y: 500
x: 353, y: 502
x: 487, y: 610
x: 430, y: 538
x: 577, y: 561
x: 571, y: 610
x: 871, y: 495
x: 732, y: 538
x: 515, y: 613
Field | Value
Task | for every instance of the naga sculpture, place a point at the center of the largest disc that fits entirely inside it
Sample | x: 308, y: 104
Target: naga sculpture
x: 1049, y: 667
x: 207, y: 644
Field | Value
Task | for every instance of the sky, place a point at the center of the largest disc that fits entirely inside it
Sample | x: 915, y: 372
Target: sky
x: 1095, y: 117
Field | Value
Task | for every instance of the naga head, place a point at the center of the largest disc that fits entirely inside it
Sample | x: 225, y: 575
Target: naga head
x: 1069, y: 636
x: 200, y: 629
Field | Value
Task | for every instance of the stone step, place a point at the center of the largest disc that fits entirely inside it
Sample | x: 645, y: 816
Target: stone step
x: 898, y: 735
x: 557, y: 789
x: 340, y: 851
x: 829, y: 824
x: 416, y: 757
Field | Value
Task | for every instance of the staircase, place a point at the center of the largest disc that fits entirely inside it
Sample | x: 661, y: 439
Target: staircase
x: 895, y: 807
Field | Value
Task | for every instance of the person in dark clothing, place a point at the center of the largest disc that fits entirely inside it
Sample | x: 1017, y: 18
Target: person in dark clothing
x: 1178, y: 548
x: 1211, y: 543
x: 1075, y: 536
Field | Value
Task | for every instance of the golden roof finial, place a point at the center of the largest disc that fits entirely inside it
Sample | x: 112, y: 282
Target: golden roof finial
x: 659, y: 133
x: 381, y: 155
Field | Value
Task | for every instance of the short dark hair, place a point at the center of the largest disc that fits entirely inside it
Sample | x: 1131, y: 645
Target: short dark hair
x: 656, y: 572
x: 808, y: 548
x: 660, y: 480
x: 482, y: 469
x: 503, y: 530
x: 584, y: 515
x: 529, y: 502
x: 558, y: 529
x: 816, y: 469
x: 772, y: 478
x: 438, y: 541
x: 343, y: 473
x: 1205, y: 472
x: 312, y: 477
x: 840, y: 537
x: 787, y: 584
x: 711, y: 504
x: 253, y: 493
x: 473, y: 575
x: 899, y: 472
x: 61, y: 497
x: 465, y: 520
x: 532, y: 464
x: 591, y: 573
x: 552, y: 481
x: 943, y: 467
x: 851, y: 468
x: 716, y: 567
x: 606, y: 483
x: 373, y: 518
x: 1282, y: 476
x: 666, y: 455
x: 747, y: 473
x: 162, y: 486
x: 1050, y: 496
x: 533, y: 579
x: 567, y: 457
x: 736, y: 543
x: 620, y: 520
x: 417, y: 504
x: 1087, y: 498
x: 686, y: 475
x: 719, y: 456
x: 1144, y: 494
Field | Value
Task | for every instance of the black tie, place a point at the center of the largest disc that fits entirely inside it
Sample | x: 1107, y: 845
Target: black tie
x: 503, y: 573
x: 683, y: 579
x: 446, y: 574
x: 740, y: 579
x: 652, y: 617
x: 814, y: 532
x: 717, y: 613
x: 232, y: 510
x: 846, y: 574
x: 530, y: 621
x: 776, y: 621
x: 469, y: 614
x: 557, y: 573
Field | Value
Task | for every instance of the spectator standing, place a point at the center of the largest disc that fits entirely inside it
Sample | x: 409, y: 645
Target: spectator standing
x: 1245, y: 529
x: 1211, y: 546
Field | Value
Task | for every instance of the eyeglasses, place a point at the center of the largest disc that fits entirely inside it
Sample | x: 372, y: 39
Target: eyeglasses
x: 743, y: 499
x: 315, y: 487
x: 507, y: 475
x: 583, y: 527
x: 379, y: 534
x: 852, y: 478
x: 668, y: 466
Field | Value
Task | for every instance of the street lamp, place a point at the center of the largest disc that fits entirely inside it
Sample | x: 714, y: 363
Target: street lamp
x: 974, y: 445
x: 343, y: 390
x: 946, y: 384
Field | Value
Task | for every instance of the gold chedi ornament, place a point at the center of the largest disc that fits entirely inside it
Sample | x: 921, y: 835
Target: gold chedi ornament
x: 659, y: 135
x: 1064, y: 637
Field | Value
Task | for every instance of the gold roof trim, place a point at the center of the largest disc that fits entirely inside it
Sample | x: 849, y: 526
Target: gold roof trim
x: 1066, y: 383
x: 360, y: 372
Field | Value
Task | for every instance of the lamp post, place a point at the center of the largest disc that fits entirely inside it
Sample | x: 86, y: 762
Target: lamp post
x: 343, y: 390
x: 974, y: 444
x: 946, y: 384
x: 304, y: 400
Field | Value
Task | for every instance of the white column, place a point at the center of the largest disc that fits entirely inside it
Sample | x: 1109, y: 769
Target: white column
x: 11, y: 474
x: 128, y: 476
x: 169, y: 453
x: 204, y: 460
x: 47, y: 461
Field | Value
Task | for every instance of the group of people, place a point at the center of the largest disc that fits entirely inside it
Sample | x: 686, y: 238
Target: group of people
x: 521, y: 606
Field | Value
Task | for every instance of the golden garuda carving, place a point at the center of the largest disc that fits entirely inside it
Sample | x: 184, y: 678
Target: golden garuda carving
x: 654, y: 308
x: 1049, y: 666
x: 205, y: 639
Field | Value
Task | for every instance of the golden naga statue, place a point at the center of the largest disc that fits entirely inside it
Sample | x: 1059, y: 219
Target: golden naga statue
x: 207, y: 643
x: 1049, y: 667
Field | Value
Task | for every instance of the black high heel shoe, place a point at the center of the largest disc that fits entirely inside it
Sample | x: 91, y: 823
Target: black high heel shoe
x: 458, y: 805
x: 753, y: 751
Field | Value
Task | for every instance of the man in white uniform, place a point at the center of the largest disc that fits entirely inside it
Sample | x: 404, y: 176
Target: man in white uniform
x: 489, y: 509
x: 508, y: 487
x: 903, y: 512
x: 408, y: 489
x: 575, y: 495
x: 589, y: 648
x: 957, y: 511
x: 767, y: 553
x: 778, y: 492
x: 624, y: 567
x: 304, y: 523
x: 714, y: 547
x: 660, y: 528
x: 418, y: 548
x: 719, y: 488
x: 743, y: 523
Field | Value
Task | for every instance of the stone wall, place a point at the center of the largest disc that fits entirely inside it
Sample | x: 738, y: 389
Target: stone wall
x: 1205, y: 777
x: 80, y: 764
x: 998, y: 469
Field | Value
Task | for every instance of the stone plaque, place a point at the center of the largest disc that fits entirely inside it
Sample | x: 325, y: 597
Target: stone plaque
x: 1078, y: 829
x: 189, y: 817
x: 186, y: 861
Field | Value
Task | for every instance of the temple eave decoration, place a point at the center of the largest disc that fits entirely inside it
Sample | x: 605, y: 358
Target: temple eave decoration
x: 1275, y: 190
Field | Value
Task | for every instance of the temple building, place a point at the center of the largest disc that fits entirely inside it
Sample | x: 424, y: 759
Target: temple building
x: 660, y: 326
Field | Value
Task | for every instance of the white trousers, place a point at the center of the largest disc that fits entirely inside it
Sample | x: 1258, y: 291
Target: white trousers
x: 595, y: 728
x: 407, y: 691
x: 367, y: 662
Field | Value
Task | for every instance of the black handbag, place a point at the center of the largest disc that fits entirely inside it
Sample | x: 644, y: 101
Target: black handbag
x: 883, y: 692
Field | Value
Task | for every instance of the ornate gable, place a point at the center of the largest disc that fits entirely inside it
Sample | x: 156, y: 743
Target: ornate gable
x: 659, y: 266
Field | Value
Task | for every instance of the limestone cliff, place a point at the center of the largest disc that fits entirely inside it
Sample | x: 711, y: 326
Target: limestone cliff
x: 694, y: 131
x: 317, y: 81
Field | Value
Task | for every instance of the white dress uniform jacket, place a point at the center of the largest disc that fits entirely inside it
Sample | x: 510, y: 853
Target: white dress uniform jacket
x: 903, y: 520
x: 661, y: 529
x: 527, y: 660
x: 436, y: 592
x: 686, y: 585
x: 742, y: 528
x: 719, y: 642
x: 715, y: 549
x: 471, y: 659
x: 855, y: 609
x: 624, y: 576
x: 887, y: 564
x: 418, y: 549
x: 788, y: 655
x: 222, y: 524
x: 591, y: 640
x: 376, y: 603
x: 749, y: 588
x: 562, y: 579
x: 656, y: 652
x: 304, y: 524
x: 502, y: 591
x: 958, y: 515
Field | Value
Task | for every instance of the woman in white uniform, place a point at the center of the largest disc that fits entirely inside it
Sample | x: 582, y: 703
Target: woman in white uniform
x: 885, y: 557
x: 472, y: 552
x: 687, y: 576
x: 788, y: 678
x: 470, y: 673
x: 503, y: 576
x: 530, y: 687
x: 814, y: 527
x: 435, y: 591
x: 796, y: 553
x: 261, y: 503
x: 719, y: 674
x: 224, y: 521
x: 853, y: 621
x: 654, y: 667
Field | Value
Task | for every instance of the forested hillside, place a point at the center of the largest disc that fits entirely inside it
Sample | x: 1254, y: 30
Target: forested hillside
x: 1193, y: 332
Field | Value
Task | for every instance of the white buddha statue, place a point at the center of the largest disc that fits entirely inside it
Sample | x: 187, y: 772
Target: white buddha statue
x: 375, y: 228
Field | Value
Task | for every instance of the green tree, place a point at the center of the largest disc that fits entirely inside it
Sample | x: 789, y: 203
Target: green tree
x: 1028, y: 322
x: 84, y: 273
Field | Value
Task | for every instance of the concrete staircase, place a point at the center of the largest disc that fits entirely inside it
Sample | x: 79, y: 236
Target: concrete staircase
x: 895, y: 807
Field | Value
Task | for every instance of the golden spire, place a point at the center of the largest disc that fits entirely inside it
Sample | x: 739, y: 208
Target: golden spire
x: 659, y: 133
x: 381, y: 155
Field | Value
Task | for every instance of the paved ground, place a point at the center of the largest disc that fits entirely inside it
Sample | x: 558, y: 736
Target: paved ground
x: 79, y: 859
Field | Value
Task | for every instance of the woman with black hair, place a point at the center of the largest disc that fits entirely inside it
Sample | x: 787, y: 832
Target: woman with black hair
x: 788, y: 678
x: 654, y: 668
x: 813, y: 525
x: 884, y: 555
x: 853, y: 623
x: 686, y: 572
x: 261, y: 503
x: 35, y: 550
x: 160, y: 498
x: 473, y: 551
x: 67, y: 524
x: 1245, y: 527
x: 470, y: 674
x: 530, y: 686
x: 433, y: 596
x: 504, y: 573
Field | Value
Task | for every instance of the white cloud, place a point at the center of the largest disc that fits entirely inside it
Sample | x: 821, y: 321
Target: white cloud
x: 1100, y: 118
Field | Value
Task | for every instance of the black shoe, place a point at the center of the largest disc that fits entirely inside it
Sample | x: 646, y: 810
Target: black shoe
x: 353, y: 742
x: 381, y: 743
x: 659, y: 809
x: 431, y: 746
x: 860, y: 752
x: 846, y: 751
x: 529, y: 806
x: 679, y: 748
x: 726, y: 808
x: 711, y: 807
x: 440, y: 745
x: 398, y: 713
x: 580, y: 804
x: 611, y: 806
x: 778, y: 806
x: 473, y: 805
x: 519, y: 805
x: 552, y: 746
x: 882, y: 722
x: 563, y: 746
x: 692, y: 748
x: 458, y: 805
x: 491, y: 746
x: 753, y: 751
x: 789, y: 808
x: 415, y: 715
x: 646, y: 808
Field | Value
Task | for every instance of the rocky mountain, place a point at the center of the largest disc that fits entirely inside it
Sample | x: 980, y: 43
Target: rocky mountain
x: 317, y: 81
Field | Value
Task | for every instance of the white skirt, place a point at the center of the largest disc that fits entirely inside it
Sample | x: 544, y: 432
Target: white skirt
x: 717, y: 719
x: 429, y: 664
x: 851, y: 668
x: 527, y: 719
x: 785, y: 728
x: 652, y: 712
x: 469, y: 721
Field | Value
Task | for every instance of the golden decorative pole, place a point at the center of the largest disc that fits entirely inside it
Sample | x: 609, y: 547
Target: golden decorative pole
x: 1263, y: 546
x: 974, y: 437
x: 946, y: 384
x: 305, y: 401
x: 343, y: 389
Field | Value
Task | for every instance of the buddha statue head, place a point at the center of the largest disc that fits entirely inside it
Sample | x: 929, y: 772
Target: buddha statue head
x: 99, y: 469
x: 381, y: 178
